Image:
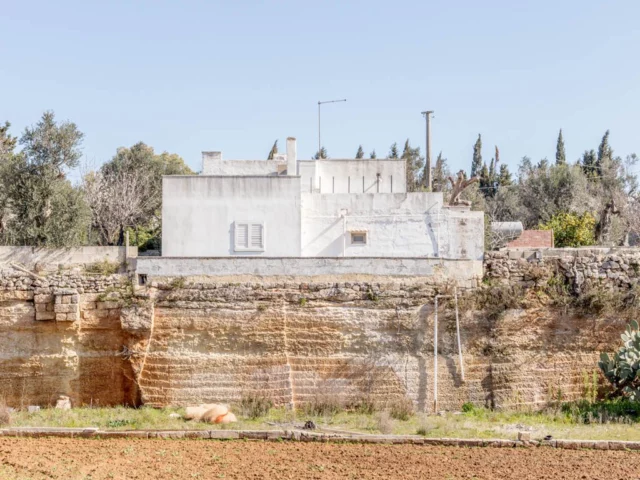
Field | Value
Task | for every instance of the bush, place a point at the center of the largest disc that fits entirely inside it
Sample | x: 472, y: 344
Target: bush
x: 385, y: 424
x: 607, y: 411
x: 324, y: 405
x: 255, y: 406
x: 401, y: 409
x: 571, y: 230
x: 468, y: 407
x: 104, y: 267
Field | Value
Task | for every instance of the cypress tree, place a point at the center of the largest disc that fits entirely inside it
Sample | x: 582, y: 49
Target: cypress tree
x: 561, y: 157
x: 393, y: 151
x: 373, y: 154
x: 360, y: 152
x: 476, y: 165
x: 273, y: 151
x: 504, y: 178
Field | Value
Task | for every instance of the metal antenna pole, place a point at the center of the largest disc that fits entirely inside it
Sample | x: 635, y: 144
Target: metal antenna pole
x: 427, y: 168
x: 319, y: 129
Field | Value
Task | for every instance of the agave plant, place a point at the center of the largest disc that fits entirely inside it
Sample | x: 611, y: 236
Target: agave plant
x: 623, y: 369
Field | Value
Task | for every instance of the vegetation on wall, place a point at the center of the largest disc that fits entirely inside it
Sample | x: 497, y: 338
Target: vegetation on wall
x: 622, y: 370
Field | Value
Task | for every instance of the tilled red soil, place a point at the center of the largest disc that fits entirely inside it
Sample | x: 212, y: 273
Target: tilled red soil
x: 53, y: 458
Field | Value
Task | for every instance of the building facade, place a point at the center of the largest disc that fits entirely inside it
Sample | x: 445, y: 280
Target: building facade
x: 287, y: 207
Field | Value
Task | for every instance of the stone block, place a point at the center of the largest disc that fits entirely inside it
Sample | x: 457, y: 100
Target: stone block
x: 524, y: 436
x: 41, y: 307
x: 107, y: 305
x: 65, y: 308
x: 43, y: 298
x: 43, y: 316
x: 65, y: 299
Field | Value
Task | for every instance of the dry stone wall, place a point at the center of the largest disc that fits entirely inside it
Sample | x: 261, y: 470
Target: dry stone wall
x: 176, y: 341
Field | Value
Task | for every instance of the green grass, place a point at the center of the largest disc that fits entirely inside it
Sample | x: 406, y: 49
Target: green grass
x: 474, y: 423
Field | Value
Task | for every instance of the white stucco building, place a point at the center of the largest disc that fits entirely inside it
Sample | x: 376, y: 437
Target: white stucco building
x: 311, y: 208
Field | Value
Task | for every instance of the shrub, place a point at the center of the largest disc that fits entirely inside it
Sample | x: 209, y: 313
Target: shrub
x: 401, y: 409
x: 255, y: 406
x: 468, y: 407
x: 607, y: 411
x: 104, y: 267
x: 302, y: 302
x: 571, y: 230
x: 623, y: 369
x: 324, y: 405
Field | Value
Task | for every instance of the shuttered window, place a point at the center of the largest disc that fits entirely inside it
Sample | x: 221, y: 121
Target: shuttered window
x: 249, y: 237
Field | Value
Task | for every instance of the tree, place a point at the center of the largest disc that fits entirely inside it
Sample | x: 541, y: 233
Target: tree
x: 504, y: 177
x: 589, y: 164
x: 604, y: 150
x: 414, y: 166
x: 274, y: 150
x: 571, y: 230
x: 45, y: 209
x: 134, y: 175
x: 360, y: 152
x: 7, y: 147
x: 561, y: 157
x: 373, y: 155
x: 321, y: 154
x: 393, y: 151
x: 440, y: 174
x: 476, y: 164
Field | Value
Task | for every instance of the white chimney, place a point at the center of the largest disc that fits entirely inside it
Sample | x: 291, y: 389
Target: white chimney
x: 292, y: 157
x: 207, y: 159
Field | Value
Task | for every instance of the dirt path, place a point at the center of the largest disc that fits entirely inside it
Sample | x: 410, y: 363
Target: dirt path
x: 26, y: 458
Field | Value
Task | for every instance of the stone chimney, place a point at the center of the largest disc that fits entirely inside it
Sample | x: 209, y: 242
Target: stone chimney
x: 292, y: 157
x: 208, y: 158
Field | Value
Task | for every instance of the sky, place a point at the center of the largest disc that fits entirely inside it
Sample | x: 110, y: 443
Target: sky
x: 189, y: 76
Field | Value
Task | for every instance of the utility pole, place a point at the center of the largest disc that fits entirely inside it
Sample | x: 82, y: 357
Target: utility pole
x: 427, y: 168
x: 319, y: 130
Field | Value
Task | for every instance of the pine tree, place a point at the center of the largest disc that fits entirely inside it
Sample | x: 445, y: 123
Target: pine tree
x: 415, y: 164
x: 561, y: 157
x: 373, y: 154
x: 360, y: 152
x: 393, y: 151
x: 476, y: 165
x: 322, y: 154
x: 485, y: 180
x: 589, y: 163
x: 605, y: 153
x: 274, y: 151
x: 7, y: 142
x: 504, y: 178
x: 440, y: 174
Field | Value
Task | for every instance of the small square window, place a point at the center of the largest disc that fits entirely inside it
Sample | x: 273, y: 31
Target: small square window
x: 249, y: 237
x: 358, y: 238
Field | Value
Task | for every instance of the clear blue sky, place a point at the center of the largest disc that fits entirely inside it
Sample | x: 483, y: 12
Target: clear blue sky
x: 186, y: 76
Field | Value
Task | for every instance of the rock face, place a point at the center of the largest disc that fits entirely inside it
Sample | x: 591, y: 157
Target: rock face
x: 195, y: 341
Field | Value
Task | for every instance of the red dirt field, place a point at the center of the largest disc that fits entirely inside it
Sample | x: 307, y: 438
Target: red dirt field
x: 62, y: 458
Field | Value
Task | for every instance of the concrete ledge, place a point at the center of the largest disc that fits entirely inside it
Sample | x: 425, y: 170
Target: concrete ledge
x: 305, y: 436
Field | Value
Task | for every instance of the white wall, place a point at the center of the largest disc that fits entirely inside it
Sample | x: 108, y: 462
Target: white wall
x: 466, y: 273
x: 346, y: 176
x: 241, y: 167
x: 398, y: 225
x: 198, y: 213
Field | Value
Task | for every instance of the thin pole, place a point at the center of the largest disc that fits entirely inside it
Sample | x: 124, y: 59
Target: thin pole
x: 319, y: 142
x: 435, y: 359
x: 427, y: 168
x: 455, y: 290
x: 319, y: 129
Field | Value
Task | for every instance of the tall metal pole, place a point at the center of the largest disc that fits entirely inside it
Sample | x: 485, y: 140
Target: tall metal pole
x: 427, y: 168
x: 319, y: 142
x: 319, y: 129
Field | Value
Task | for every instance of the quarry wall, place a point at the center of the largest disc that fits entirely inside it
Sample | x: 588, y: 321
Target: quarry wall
x: 177, y: 340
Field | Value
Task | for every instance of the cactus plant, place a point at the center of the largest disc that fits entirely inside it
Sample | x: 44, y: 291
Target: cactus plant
x: 623, y: 369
